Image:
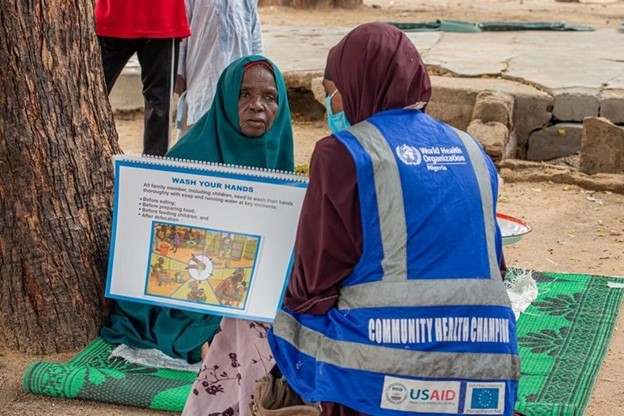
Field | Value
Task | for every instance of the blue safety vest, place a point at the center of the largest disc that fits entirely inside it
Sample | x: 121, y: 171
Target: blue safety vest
x: 423, y: 324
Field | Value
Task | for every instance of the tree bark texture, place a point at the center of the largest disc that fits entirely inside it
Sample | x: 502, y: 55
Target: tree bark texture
x: 57, y: 137
x: 302, y: 4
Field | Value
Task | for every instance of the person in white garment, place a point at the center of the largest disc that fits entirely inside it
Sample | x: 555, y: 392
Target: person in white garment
x: 221, y: 32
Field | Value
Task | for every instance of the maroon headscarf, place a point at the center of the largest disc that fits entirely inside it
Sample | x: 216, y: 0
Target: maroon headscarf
x: 376, y: 67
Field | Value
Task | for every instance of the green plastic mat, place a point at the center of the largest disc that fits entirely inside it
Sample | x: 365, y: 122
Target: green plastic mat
x: 91, y: 375
x: 445, y: 25
x: 417, y: 26
x: 564, y: 336
x: 506, y: 26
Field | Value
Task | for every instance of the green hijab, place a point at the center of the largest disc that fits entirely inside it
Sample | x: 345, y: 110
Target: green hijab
x: 216, y: 137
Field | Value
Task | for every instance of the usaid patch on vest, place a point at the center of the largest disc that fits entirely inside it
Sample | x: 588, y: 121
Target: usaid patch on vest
x: 484, y: 399
x: 420, y: 396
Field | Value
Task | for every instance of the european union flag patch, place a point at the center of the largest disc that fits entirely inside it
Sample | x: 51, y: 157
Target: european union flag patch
x: 485, y: 399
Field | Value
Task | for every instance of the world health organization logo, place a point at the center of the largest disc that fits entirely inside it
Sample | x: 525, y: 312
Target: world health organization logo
x: 408, y: 154
x: 396, y: 393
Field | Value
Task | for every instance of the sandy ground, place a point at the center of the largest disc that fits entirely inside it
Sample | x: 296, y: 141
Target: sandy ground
x: 574, y: 229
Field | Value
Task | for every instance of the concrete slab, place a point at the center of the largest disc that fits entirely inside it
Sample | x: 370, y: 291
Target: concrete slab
x: 471, y: 54
x: 574, y: 104
x: 559, y: 140
x: 569, y: 59
x: 545, y: 61
x: 612, y: 105
x: 295, y: 48
x: 548, y: 59
x: 127, y: 93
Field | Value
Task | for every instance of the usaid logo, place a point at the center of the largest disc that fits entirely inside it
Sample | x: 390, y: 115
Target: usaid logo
x: 408, y: 154
x: 396, y: 393
x: 420, y: 396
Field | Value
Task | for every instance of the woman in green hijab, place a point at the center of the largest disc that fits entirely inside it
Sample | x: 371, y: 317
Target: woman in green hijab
x: 248, y: 124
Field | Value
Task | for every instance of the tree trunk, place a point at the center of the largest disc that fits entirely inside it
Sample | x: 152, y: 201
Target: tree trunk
x: 57, y: 137
x: 303, y: 4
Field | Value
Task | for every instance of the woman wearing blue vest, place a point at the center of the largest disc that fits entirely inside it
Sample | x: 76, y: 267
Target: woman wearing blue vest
x: 396, y: 304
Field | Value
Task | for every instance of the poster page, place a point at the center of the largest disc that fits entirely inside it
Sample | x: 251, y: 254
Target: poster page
x: 203, y: 237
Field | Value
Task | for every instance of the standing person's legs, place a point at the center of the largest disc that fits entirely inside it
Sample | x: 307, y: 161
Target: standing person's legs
x: 115, y: 55
x: 158, y: 59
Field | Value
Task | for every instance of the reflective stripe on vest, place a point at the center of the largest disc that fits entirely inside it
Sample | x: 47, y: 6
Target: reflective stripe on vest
x: 395, y: 361
x: 389, y: 202
x: 487, y: 199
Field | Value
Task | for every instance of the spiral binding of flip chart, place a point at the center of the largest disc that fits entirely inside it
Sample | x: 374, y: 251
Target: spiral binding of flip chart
x: 252, y: 171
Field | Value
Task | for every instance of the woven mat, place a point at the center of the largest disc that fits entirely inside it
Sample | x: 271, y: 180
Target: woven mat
x: 564, y: 336
x: 90, y: 375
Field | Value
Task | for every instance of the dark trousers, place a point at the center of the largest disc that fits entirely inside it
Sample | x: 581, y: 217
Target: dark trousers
x: 158, y: 60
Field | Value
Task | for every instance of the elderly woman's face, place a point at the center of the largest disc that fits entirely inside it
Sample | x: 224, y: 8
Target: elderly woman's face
x: 257, y: 102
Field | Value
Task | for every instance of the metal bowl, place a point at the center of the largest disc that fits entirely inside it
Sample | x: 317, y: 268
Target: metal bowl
x: 513, y: 229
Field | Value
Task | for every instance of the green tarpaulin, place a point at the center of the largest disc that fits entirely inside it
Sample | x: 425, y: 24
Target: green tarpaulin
x: 444, y: 25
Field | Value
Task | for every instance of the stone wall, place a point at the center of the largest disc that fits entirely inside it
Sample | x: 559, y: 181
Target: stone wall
x: 515, y: 120
x: 511, y: 119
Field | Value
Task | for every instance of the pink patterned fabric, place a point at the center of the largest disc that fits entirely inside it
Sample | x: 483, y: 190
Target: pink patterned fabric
x: 238, y: 356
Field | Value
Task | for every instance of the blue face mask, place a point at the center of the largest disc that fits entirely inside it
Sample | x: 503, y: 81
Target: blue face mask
x: 336, y: 122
